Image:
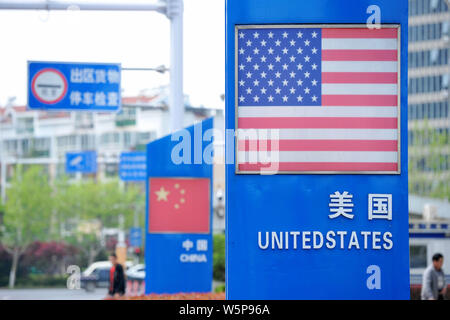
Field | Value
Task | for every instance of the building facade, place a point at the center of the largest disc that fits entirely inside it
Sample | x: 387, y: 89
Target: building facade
x: 428, y: 97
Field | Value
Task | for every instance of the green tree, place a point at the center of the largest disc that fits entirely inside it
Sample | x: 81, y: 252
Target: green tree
x: 90, y: 206
x: 219, y: 257
x: 27, y: 213
x: 428, y: 153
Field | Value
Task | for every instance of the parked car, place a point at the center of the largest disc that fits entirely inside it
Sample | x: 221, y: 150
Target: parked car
x: 136, y: 272
x: 97, y: 275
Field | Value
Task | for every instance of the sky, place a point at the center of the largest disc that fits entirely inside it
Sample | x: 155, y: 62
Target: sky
x: 134, y: 39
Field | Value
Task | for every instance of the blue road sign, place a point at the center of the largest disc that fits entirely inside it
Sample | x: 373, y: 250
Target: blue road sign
x: 293, y: 233
x: 74, y: 86
x: 133, y: 166
x: 178, y: 256
x: 84, y: 162
x: 135, y: 237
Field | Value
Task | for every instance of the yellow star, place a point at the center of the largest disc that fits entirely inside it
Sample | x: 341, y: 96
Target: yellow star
x: 162, y: 194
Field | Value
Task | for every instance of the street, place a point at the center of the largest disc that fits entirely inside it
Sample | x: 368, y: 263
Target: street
x: 51, y: 294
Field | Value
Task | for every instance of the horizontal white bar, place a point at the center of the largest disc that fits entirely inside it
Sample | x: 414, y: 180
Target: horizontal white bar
x: 359, y: 66
x: 319, y: 134
x: 317, y: 156
x: 359, y: 88
x: 83, y: 5
x: 329, y: 112
x: 357, y: 43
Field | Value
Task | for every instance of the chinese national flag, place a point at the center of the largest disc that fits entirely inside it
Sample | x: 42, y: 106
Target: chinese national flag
x: 179, y: 205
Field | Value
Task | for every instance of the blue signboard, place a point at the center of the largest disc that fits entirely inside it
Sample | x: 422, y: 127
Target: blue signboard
x: 317, y: 192
x: 133, y: 166
x: 178, y: 249
x: 74, y: 86
x: 84, y: 162
x: 135, y: 237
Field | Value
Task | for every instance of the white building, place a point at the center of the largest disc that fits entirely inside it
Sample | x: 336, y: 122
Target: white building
x: 40, y: 137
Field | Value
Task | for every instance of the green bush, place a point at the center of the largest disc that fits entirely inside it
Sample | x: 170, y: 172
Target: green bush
x: 219, y: 257
x: 220, y: 288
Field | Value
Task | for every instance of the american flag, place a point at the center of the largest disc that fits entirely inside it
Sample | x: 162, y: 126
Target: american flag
x: 331, y: 93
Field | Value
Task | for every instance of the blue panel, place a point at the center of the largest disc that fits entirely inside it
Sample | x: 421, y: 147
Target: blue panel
x: 282, y: 203
x: 133, y: 166
x: 135, y: 237
x: 171, y: 266
x: 84, y: 162
x: 74, y: 86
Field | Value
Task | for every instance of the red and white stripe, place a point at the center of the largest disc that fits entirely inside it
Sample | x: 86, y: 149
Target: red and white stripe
x: 355, y: 129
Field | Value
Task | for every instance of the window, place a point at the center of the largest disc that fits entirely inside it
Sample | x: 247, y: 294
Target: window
x: 87, y: 142
x: 444, y: 28
x: 434, y: 5
x: 84, y: 120
x: 111, y: 169
x: 110, y: 138
x: 444, y: 81
x: 126, y: 117
x: 103, y: 275
x: 24, y: 125
x: 418, y: 256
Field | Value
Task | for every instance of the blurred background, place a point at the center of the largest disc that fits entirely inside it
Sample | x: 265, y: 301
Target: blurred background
x: 51, y: 219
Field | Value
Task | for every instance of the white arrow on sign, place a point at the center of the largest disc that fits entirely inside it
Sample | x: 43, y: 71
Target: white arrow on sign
x: 76, y: 161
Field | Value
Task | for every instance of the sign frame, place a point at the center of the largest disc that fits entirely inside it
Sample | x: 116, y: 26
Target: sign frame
x: 132, y: 154
x: 270, y: 204
x: 180, y: 232
x: 166, y: 272
x: 132, y: 240
x: 51, y: 107
x: 87, y: 169
x: 325, y: 25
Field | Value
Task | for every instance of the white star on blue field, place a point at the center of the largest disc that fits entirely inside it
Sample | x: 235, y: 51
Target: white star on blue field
x: 279, y: 67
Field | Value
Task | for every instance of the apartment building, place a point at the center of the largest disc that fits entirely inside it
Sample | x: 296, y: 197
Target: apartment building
x: 428, y: 97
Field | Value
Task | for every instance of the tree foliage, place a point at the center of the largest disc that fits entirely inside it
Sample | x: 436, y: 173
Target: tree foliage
x: 64, y: 211
x: 28, y: 208
x: 428, y: 162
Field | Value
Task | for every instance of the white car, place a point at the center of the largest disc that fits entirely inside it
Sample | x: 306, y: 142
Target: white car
x: 136, y: 272
x: 97, y: 275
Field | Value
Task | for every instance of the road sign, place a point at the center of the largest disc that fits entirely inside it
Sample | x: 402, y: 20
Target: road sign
x: 317, y: 199
x: 135, y: 237
x: 178, y: 250
x: 133, y: 166
x: 84, y: 162
x: 74, y: 86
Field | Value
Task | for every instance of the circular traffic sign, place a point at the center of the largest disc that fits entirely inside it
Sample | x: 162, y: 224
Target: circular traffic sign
x: 49, y: 86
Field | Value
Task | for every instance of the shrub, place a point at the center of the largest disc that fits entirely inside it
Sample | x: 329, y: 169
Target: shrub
x: 220, y: 288
x: 219, y: 257
x: 176, y: 296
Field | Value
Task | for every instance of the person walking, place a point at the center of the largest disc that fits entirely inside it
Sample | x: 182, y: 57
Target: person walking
x: 116, y: 278
x: 433, y: 283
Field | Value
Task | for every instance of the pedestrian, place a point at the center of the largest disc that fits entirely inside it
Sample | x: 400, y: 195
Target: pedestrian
x: 116, y: 278
x: 433, y: 283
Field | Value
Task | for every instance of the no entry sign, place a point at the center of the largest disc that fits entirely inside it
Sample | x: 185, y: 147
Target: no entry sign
x: 74, y: 86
